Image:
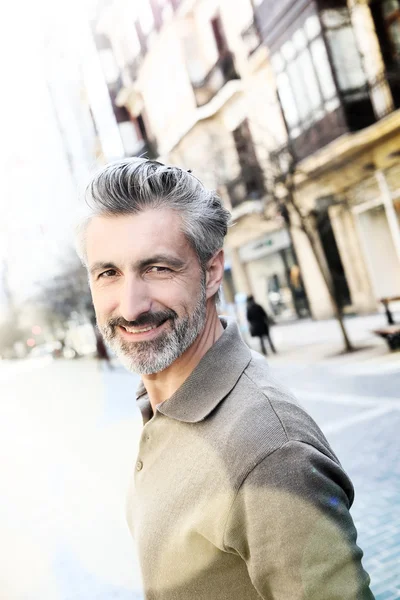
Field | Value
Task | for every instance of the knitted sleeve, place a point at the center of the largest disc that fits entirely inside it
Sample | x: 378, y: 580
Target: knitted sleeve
x: 291, y: 523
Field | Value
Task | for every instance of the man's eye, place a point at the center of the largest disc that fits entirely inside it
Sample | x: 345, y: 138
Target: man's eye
x: 156, y: 269
x: 109, y: 273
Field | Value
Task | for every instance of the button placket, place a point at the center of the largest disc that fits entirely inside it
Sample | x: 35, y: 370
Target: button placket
x: 145, y: 437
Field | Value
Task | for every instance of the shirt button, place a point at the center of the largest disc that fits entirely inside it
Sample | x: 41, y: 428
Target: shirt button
x: 139, y: 465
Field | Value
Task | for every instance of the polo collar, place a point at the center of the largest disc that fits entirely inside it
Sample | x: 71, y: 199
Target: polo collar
x: 209, y: 383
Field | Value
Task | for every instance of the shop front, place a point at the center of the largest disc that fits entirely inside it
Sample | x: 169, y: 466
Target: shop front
x: 275, y: 276
x: 378, y: 223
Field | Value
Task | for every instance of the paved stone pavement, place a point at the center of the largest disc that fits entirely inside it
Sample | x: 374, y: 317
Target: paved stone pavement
x: 68, y: 437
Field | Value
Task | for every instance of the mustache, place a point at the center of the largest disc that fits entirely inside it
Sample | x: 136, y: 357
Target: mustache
x: 144, y: 320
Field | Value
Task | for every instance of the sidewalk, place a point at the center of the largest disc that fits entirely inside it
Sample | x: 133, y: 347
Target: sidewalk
x: 309, y: 341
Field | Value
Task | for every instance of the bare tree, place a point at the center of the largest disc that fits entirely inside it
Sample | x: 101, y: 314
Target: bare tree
x: 274, y: 181
x: 10, y: 334
x: 67, y: 294
x: 288, y: 207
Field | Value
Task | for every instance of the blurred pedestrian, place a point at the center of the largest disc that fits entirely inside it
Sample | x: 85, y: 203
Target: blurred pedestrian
x: 237, y: 493
x: 259, y: 324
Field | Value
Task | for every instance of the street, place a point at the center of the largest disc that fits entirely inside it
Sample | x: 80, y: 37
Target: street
x: 69, y: 431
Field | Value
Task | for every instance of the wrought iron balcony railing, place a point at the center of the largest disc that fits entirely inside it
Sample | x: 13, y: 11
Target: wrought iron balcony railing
x: 222, y: 72
x: 242, y: 189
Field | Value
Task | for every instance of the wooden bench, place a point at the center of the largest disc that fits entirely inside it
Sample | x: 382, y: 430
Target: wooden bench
x: 389, y: 314
x: 391, y: 333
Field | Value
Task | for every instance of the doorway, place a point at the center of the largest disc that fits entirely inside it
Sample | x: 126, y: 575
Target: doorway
x: 382, y: 260
x: 333, y: 259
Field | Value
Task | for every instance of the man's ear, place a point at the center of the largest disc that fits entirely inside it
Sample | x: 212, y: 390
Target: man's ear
x: 215, y: 273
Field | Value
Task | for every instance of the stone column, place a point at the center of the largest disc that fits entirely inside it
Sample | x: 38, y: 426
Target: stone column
x: 390, y: 210
x: 239, y: 273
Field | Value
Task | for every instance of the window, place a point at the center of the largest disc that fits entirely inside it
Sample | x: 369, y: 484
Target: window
x: 391, y: 14
x: 312, y: 27
x: 130, y: 138
x: 192, y: 56
x: 251, y: 173
x: 304, y: 78
x: 323, y: 69
x: 146, y: 17
x: 130, y: 44
x: 219, y: 34
x: 288, y: 104
x: 345, y: 54
x: 109, y: 66
x: 166, y: 10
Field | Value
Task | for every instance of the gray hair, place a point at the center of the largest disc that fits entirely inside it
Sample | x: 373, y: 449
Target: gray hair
x: 132, y: 185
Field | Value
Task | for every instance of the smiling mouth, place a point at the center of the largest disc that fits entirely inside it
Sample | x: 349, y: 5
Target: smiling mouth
x: 143, y: 329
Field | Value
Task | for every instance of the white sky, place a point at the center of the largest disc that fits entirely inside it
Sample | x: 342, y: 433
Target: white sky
x: 38, y: 197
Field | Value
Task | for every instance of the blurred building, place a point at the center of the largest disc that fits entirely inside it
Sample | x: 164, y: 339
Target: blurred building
x: 78, y: 92
x: 195, y: 88
x: 337, y: 69
x: 231, y: 94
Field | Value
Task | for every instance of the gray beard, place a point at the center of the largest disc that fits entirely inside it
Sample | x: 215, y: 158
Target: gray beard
x: 154, y: 356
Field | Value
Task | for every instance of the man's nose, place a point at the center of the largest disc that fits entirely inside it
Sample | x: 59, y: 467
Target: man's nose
x: 135, y: 299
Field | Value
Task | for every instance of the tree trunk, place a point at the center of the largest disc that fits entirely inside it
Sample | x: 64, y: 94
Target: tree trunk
x: 308, y: 229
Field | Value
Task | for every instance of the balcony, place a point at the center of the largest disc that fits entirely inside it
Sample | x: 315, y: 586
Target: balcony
x: 251, y: 38
x: 355, y: 110
x: 237, y: 192
x: 246, y: 188
x: 222, y: 72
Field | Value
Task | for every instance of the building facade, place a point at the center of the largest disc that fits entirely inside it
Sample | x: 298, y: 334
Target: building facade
x: 198, y: 78
x: 309, y: 85
x: 337, y: 71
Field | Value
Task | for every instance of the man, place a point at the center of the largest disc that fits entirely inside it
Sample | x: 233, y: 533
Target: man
x: 237, y: 494
x: 258, y: 323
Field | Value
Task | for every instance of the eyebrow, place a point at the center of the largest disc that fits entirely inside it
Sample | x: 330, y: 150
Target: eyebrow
x: 172, y: 261
x: 141, y: 264
x: 99, y: 266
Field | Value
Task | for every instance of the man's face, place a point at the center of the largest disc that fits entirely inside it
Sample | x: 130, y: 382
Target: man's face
x: 148, y: 288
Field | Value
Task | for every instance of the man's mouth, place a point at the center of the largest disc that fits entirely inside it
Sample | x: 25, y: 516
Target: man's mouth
x: 143, y: 328
x: 140, y: 330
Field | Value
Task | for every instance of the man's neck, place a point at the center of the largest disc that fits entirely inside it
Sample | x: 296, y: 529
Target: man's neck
x: 163, y: 385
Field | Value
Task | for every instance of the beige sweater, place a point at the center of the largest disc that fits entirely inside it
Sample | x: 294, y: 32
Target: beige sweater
x: 237, y: 493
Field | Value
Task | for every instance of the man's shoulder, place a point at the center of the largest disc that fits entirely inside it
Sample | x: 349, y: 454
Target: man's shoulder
x: 261, y: 415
